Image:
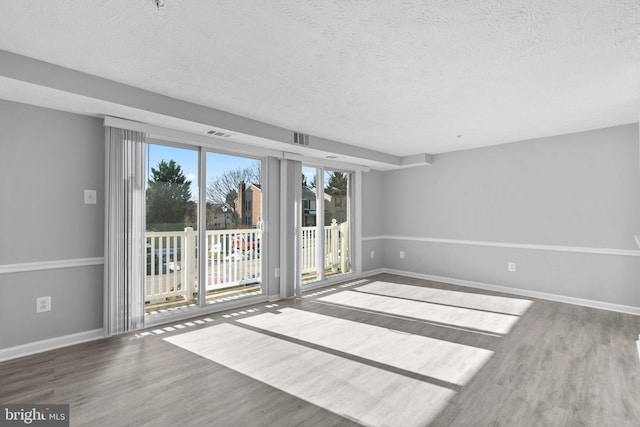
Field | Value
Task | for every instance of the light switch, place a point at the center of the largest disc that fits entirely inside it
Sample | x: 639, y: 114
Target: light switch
x: 90, y: 197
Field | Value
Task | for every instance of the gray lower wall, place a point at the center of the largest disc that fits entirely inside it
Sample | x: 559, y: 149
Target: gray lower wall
x: 76, y: 301
x: 603, y: 278
x: 47, y: 159
x: 579, y: 190
x: 375, y: 262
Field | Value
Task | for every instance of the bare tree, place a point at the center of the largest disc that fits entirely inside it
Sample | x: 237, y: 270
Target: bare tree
x: 224, y: 188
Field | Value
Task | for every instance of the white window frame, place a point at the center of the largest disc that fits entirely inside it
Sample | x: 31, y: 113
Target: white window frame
x: 184, y: 140
x: 354, y: 206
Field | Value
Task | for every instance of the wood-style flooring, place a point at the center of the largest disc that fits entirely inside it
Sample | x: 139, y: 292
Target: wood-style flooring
x: 385, y: 351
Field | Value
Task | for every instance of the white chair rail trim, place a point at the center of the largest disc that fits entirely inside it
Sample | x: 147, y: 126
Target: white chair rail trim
x: 50, y: 265
x: 557, y: 248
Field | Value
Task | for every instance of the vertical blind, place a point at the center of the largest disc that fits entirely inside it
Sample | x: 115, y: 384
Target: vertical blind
x: 124, y: 230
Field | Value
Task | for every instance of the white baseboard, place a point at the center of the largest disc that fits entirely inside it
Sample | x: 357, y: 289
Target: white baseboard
x: 374, y: 272
x: 50, y: 344
x: 521, y: 292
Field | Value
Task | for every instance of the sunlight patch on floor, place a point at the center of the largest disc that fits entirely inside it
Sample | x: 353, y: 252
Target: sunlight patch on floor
x: 359, y: 392
x: 175, y: 327
x: 443, y: 314
x: 506, y: 305
x: 357, y: 282
x: 443, y: 360
x: 320, y: 292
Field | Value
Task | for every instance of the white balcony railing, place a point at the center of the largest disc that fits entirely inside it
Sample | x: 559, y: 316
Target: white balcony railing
x: 336, y: 248
x: 233, y: 259
x: 171, y: 265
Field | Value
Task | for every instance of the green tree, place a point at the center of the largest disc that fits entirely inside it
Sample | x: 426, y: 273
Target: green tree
x: 168, y: 197
x: 336, y: 187
x: 337, y: 183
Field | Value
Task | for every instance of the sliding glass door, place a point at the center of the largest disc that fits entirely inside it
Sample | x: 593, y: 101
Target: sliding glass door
x: 171, y: 228
x: 234, y: 227
x: 326, y: 228
x: 201, y: 255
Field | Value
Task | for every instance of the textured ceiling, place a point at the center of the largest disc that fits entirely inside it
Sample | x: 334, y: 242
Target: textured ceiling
x: 401, y: 77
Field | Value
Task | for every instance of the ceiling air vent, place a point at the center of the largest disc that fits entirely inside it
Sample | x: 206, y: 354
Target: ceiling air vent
x: 218, y: 133
x: 300, y: 138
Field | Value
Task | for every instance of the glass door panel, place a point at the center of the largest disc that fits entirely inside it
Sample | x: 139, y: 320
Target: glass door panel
x: 309, y: 212
x: 233, y: 228
x: 325, y: 210
x: 336, y: 223
x: 171, y: 228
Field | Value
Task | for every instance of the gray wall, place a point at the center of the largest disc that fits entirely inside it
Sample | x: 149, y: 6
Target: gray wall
x: 291, y: 182
x: 372, y: 221
x: 272, y: 230
x: 47, y: 159
x: 579, y: 190
x: 573, y: 190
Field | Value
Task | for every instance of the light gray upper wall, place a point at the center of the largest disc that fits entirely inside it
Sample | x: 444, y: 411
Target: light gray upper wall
x: 580, y: 189
x: 371, y: 204
x: 291, y: 182
x: 372, y: 251
x: 47, y: 159
x: 271, y: 207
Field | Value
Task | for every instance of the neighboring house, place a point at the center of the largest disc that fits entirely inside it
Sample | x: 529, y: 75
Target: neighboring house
x: 248, y: 205
x: 335, y: 205
x: 309, y: 208
x: 217, y: 219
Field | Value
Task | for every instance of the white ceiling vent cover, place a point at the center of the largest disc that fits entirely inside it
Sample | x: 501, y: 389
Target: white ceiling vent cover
x: 300, y: 138
x: 218, y: 133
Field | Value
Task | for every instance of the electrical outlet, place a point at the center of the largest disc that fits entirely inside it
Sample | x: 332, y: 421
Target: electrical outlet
x: 277, y: 272
x: 511, y: 266
x: 373, y: 254
x: 43, y: 304
x: 401, y: 254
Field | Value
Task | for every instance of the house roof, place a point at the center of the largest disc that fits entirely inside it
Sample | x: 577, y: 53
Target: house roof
x: 307, y: 194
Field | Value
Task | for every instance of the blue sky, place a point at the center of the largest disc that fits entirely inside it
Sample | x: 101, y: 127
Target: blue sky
x: 216, y: 164
x: 309, y: 173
